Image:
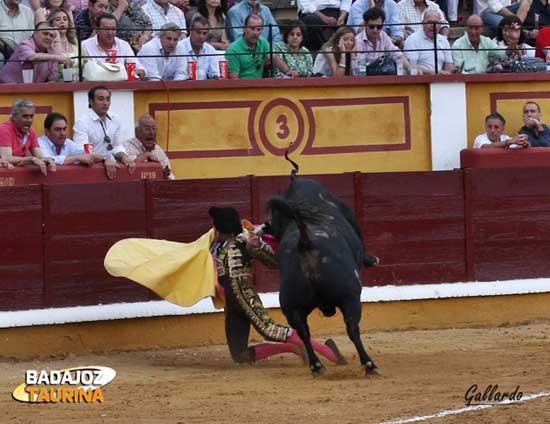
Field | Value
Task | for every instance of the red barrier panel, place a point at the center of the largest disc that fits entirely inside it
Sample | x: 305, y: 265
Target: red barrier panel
x: 414, y: 221
x: 508, y: 216
x: 505, y: 158
x: 77, y: 174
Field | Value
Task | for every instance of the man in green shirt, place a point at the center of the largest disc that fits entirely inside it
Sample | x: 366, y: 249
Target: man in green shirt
x: 473, y: 51
x: 248, y: 54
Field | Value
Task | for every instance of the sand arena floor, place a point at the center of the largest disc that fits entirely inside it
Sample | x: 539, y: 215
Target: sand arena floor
x: 423, y: 372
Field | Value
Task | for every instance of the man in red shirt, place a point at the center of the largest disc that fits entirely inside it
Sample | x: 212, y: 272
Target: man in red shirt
x: 19, y: 142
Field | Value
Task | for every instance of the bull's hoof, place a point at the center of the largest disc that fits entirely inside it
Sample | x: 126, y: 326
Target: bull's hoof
x: 340, y: 359
x: 317, y: 369
x: 371, y: 368
x: 369, y: 261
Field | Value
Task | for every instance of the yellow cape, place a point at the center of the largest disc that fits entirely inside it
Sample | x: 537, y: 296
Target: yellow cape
x: 182, y: 273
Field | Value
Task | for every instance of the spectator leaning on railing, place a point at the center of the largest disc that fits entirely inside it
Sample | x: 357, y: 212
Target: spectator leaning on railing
x: 322, y: 18
x: 19, y: 142
x: 239, y: 12
x: 413, y: 12
x: 162, y: 57
x: 494, y: 136
x: 248, y: 55
x: 473, y: 52
x: 195, y: 48
x: 161, y: 12
x: 337, y: 56
x: 55, y: 145
x: 16, y: 23
x: 144, y: 148
x: 538, y: 133
x: 103, y: 131
x: 97, y: 48
x: 36, y: 54
x: 419, y: 47
x: 392, y: 24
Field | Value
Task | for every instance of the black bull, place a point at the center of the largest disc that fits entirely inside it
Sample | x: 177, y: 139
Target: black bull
x: 321, y: 254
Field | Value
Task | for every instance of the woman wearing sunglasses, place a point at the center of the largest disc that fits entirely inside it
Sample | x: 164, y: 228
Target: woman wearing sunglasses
x: 292, y: 52
x: 373, y: 41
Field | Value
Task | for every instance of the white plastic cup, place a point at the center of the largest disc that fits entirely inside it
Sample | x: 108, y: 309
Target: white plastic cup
x: 28, y: 76
x: 68, y: 74
x: 412, y: 70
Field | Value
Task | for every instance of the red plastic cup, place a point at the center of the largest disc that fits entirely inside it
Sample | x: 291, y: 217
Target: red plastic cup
x: 192, y: 69
x: 112, y: 55
x: 88, y: 149
x: 131, y: 69
x: 224, y: 69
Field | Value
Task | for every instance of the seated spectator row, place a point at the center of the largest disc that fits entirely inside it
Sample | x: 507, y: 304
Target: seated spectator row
x: 246, y: 41
x: 97, y: 139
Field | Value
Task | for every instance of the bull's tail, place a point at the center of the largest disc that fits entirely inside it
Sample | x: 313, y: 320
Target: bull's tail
x: 294, y: 172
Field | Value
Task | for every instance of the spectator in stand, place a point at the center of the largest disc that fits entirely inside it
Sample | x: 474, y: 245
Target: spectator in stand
x: 538, y: 133
x: 419, y: 47
x: 78, y: 5
x: 161, y: 12
x: 373, y: 41
x: 162, y: 57
x: 510, y: 32
x: 134, y: 26
x: 239, y: 12
x: 494, y: 135
x: 337, y: 56
x: 543, y: 44
x: 66, y: 41
x: 43, y: 13
x: 216, y: 13
x: 492, y: 11
x: 322, y: 18
x: 195, y: 48
x: 37, y: 54
x: 413, y: 11
x: 97, y: 48
x: 19, y: 142
x: 55, y: 145
x: 86, y: 20
x: 392, y: 11
x: 248, y: 55
x: 473, y: 52
x: 292, y: 52
x: 537, y: 17
x: 144, y: 148
x: 103, y: 130
x: 16, y: 23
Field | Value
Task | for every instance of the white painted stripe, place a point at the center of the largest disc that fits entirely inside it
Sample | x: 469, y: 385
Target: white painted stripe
x: 271, y: 300
x: 448, y: 412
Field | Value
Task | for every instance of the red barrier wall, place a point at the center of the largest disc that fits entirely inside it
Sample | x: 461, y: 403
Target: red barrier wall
x: 427, y: 227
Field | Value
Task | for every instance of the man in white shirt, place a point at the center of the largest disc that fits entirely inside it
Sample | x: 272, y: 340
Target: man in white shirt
x: 321, y: 18
x: 197, y: 49
x: 162, y: 57
x: 102, y: 130
x: 144, y: 148
x: 161, y: 12
x: 97, y: 48
x: 419, y: 47
x: 495, y: 137
x: 413, y: 12
x: 55, y: 144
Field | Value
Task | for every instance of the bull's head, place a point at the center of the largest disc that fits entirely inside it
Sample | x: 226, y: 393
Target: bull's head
x: 281, y: 215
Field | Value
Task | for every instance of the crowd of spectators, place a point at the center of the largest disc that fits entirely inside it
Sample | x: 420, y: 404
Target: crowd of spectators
x: 97, y: 139
x: 330, y: 38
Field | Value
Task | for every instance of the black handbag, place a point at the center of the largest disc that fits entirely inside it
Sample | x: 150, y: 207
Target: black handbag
x: 384, y: 65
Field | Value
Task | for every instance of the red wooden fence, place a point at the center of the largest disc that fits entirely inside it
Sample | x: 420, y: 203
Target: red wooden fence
x: 427, y: 227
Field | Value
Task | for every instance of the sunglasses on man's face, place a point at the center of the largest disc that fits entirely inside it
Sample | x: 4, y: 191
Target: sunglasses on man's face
x: 378, y: 27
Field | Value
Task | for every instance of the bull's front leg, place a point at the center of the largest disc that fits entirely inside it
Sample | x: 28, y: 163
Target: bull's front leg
x: 298, y: 322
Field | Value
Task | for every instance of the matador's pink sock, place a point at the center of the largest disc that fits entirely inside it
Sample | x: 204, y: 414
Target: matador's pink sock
x: 265, y: 350
x: 319, y: 347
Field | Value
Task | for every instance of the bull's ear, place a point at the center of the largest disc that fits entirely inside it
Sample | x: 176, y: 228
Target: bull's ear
x: 280, y: 205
